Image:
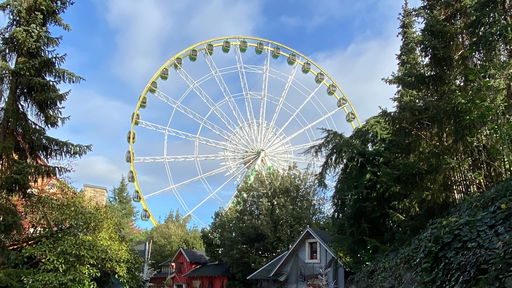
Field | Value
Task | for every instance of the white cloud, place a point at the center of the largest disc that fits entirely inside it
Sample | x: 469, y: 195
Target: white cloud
x: 359, y: 70
x: 150, y: 32
x: 97, y: 114
x: 97, y: 170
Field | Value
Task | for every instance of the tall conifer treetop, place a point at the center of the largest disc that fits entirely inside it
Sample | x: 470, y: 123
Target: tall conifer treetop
x: 30, y: 98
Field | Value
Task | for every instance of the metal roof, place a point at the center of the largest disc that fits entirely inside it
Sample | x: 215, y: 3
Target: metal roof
x: 209, y: 270
x: 264, y: 272
x: 193, y: 256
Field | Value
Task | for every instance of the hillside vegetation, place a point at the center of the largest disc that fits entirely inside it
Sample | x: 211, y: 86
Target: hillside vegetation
x: 470, y: 247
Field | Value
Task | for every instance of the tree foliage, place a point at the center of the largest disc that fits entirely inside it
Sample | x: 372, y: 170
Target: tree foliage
x: 121, y: 202
x: 450, y: 134
x: 470, y: 247
x: 30, y: 98
x: 168, y: 237
x: 75, y: 245
x: 265, y: 217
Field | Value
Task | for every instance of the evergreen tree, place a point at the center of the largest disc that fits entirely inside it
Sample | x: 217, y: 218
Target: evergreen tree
x: 30, y: 99
x: 121, y: 203
x: 449, y: 136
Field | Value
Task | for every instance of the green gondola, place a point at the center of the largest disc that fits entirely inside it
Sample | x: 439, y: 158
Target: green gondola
x: 342, y: 102
x: 193, y: 55
x: 319, y: 78
x: 243, y: 46
x: 209, y: 49
x: 292, y: 58
x: 131, y: 176
x: 178, y: 63
x: 331, y: 90
x: 136, y: 196
x: 306, y: 67
x: 128, y: 156
x: 144, y: 215
x: 135, y: 118
x: 131, y: 137
x: 143, y: 102
x: 226, y: 46
x: 164, y: 75
x: 259, y: 48
x: 351, y: 116
x: 153, y: 87
x: 276, y: 52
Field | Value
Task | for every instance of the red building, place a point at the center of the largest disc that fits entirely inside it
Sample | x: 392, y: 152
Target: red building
x: 159, y: 279
x: 191, y: 269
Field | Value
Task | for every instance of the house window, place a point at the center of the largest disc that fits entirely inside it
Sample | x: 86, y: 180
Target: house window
x: 180, y: 285
x: 312, y: 251
x: 196, y: 283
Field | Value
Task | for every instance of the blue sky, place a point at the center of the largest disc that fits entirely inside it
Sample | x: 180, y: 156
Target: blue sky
x: 117, y: 45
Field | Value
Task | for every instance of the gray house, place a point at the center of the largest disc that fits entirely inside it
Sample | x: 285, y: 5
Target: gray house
x: 310, y: 262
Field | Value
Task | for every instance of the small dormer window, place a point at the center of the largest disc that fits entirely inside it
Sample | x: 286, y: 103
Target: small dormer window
x: 312, y: 251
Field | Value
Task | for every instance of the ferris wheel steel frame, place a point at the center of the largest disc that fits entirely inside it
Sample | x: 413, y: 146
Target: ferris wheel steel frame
x: 203, y: 47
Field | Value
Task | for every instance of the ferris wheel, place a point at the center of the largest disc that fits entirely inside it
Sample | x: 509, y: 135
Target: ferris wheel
x: 220, y: 110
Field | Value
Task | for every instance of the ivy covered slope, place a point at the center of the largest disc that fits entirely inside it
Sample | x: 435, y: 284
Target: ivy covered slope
x: 470, y: 247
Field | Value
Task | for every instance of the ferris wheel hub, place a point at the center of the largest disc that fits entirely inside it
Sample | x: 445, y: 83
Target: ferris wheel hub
x: 259, y: 146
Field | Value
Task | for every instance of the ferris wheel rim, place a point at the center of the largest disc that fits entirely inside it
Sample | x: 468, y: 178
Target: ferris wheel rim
x: 216, y: 42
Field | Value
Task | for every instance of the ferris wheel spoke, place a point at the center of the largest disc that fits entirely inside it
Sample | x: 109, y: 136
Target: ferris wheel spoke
x: 308, y: 126
x: 184, y: 135
x: 206, y: 98
x: 180, y: 199
x: 283, y: 97
x: 264, y: 92
x: 299, y: 147
x: 297, y: 111
x: 240, y: 170
x: 227, y: 97
x: 239, y: 140
x: 199, y: 169
x: 192, y: 114
x: 224, y: 88
x: 191, y: 157
x: 246, y: 94
x: 294, y: 158
x: 208, y: 174
x: 245, y: 86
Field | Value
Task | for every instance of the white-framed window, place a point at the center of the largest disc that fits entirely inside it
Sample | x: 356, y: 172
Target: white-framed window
x: 312, y: 251
x: 180, y: 285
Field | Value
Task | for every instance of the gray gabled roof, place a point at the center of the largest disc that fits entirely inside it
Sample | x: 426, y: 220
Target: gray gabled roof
x: 193, y: 256
x: 165, y: 263
x: 324, y: 236
x: 315, y: 234
x: 209, y: 270
x: 269, y: 270
x: 264, y: 272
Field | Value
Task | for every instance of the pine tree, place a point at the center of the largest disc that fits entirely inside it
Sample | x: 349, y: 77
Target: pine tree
x: 121, y: 203
x: 449, y: 136
x: 30, y: 99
